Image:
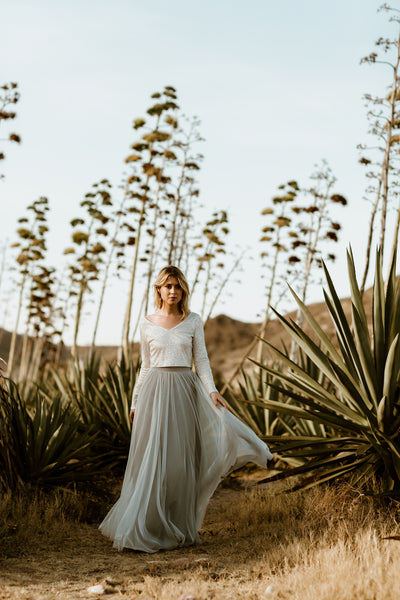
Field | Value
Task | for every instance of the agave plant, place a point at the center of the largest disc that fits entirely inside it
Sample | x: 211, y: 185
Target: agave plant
x: 243, y: 403
x: 110, y: 404
x: 43, y: 448
x: 76, y: 384
x: 102, y: 401
x: 265, y: 422
x: 356, y: 401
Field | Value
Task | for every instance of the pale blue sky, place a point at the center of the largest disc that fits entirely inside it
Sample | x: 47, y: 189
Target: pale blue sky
x: 277, y: 85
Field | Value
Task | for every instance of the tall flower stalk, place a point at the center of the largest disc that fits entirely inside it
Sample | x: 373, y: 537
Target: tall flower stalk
x: 381, y: 158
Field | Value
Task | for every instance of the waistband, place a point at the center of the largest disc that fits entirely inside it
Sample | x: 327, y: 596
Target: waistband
x: 173, y: 369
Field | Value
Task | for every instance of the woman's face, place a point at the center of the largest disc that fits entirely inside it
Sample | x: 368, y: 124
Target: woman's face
x: 171, y: 291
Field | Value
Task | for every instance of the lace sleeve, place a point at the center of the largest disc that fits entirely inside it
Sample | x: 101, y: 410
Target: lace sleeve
x: 200, y: 357
x: 145, y: 352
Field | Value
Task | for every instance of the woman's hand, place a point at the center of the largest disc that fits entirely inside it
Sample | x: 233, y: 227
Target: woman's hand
x: 131, y: 415
x: 218, y: 400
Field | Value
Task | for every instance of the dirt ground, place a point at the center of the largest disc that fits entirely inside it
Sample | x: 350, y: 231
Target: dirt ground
x: 328, y: 543
x: 85, y: 558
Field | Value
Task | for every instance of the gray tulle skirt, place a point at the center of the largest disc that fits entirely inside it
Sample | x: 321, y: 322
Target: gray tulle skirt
x: 181, y: 447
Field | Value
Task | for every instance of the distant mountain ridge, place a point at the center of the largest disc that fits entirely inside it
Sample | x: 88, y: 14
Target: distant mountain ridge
x: 227, y: 339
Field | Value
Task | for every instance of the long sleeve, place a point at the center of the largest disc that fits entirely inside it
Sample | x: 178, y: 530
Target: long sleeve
x: 145, y: 366
x: 200, y: 357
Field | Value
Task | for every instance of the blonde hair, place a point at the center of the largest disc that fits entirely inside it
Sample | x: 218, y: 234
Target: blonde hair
x: 171, y: 271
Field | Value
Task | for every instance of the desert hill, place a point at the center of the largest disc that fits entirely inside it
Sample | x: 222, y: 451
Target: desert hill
x: 227, y: 339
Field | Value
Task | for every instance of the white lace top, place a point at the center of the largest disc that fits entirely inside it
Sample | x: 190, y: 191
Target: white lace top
x: 174, y: 347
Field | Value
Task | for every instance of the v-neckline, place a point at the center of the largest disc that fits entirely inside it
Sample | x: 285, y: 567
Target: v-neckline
x: 166, y: 328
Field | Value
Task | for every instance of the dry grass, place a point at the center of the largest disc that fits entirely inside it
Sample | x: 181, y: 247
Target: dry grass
x: 323, y: 544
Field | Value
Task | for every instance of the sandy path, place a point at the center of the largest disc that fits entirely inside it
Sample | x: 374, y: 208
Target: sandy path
x: 85, y: 557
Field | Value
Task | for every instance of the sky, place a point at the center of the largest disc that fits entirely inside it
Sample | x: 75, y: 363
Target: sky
x: 278, y: 86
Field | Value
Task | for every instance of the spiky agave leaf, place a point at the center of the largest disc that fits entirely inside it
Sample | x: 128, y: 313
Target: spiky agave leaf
x: 243, y: 403
x: 269, y: 422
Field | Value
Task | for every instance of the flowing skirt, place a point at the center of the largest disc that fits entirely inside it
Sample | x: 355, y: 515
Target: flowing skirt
x: 181, y: 447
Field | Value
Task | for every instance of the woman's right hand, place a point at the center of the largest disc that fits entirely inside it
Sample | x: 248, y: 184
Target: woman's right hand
x: 131, y: 415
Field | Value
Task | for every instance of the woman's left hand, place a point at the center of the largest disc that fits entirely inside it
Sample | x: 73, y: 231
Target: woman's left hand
x: 218, y: 400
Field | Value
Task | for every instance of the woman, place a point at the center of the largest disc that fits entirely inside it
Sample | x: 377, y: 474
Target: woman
x: 184, y: 439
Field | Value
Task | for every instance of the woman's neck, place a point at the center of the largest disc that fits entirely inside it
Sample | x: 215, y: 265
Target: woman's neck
x: 170, y: 311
